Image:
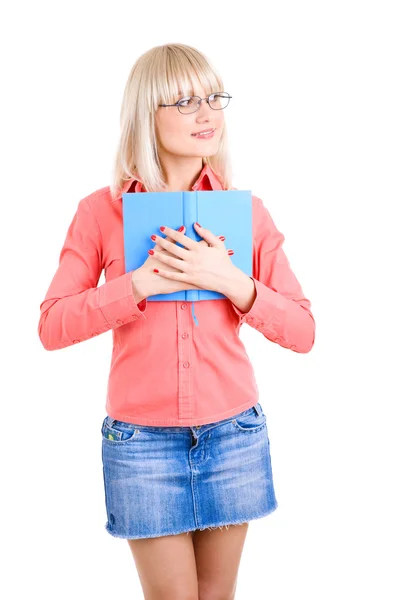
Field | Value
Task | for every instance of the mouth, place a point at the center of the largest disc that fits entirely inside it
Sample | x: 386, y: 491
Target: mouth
x: 206, y: 133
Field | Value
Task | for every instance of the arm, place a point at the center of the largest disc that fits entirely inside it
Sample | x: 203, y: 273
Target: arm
x: 74, y: 309
x: 272, y: 301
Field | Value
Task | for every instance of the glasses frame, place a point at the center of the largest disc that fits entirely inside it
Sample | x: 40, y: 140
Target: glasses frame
x: 200, y: 100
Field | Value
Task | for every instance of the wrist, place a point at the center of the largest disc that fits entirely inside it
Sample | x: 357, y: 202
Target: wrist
x: 139, y: 286
x: 241, y: 291
x: 230, y: 284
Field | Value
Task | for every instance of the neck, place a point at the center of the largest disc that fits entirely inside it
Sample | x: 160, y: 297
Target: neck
x: 181, y: 173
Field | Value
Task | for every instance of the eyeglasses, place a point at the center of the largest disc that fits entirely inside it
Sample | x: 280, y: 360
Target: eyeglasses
x: 191, y: 104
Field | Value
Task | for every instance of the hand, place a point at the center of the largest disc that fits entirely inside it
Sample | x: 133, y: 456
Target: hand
x: 205, y: 264
x: 151, y: 283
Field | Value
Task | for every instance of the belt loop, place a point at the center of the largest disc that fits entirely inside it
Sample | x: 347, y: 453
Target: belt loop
x: 257, y: 408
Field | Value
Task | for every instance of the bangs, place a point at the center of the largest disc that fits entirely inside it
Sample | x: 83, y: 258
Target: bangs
x: 182, y: 75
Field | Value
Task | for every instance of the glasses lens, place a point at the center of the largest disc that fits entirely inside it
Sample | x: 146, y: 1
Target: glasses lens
x: 217, y: 101
x: 188, y: 105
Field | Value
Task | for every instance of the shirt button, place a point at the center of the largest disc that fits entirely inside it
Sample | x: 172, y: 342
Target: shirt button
x: 185, y: 335
x: 135, y: 317
x: 293, y: 347
x: 95, y: 333
x: 75, y: 341
x: 119, y: 322
x: 186, y: 364
x: 277, y: 340
x: 183, y: 306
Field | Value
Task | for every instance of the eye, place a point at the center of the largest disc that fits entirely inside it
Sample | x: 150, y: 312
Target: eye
x: 189, y: 101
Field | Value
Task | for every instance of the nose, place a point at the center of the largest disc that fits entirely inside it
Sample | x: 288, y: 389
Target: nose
x: 204, y: 106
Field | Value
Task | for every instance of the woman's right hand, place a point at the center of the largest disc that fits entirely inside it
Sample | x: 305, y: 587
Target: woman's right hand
x: 150, y: 284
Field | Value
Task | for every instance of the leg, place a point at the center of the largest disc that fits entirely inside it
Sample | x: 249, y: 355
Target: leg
x: 166, y: 567
x: 218, y: 552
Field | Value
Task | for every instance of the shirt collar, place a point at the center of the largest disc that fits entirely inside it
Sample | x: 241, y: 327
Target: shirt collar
x: 207, y: 180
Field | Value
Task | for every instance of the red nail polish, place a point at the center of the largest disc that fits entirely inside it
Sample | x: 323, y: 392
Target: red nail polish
x: 153, y: 237
x: 230, y: 252
x: 150, y: 251
x: 222, y: 237
x: 156, y: 270
x: 181, y: 228
x: 162, y: 228
x: 198, y: 224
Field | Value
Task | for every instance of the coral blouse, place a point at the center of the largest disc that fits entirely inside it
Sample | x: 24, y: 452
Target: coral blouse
x: 165, y: 370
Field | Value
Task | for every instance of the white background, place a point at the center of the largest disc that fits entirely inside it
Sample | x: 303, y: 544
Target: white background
x: 314, y: 128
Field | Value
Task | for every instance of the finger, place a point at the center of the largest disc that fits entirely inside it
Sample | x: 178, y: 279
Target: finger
x: 170, y: 245
x: 208, y: 235
x: 169, y: 239
x: 179, y: 236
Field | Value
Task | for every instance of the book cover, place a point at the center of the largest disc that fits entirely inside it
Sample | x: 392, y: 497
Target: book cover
x: 224, y: 212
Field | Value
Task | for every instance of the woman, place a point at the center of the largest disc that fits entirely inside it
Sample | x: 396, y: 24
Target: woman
x: 185, y: 447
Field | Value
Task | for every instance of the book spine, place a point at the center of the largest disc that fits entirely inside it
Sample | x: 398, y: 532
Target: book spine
x: 189, y: 217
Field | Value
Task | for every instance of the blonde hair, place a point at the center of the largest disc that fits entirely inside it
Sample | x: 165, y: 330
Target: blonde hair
x: 155, y: 78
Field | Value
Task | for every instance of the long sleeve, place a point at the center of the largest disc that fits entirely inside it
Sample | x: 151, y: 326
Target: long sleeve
x: 280, y: 310
x: 74, y: 308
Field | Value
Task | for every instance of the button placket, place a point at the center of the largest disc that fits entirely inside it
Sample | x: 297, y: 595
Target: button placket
x: 185, y: 367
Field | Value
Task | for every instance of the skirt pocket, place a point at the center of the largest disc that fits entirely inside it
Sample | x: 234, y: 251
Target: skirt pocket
x: 250, y: 420
x: 117, y: 432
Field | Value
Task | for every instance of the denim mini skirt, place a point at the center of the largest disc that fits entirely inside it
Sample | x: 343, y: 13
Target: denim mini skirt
x: 168, y: 480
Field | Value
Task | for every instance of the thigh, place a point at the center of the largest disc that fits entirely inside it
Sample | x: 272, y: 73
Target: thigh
x: 218, y: 553
x: 166, y: 566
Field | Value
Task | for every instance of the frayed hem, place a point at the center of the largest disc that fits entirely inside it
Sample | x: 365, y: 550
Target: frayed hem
x: 236, y: 523
x: 149, y: 535
x: 187, y: 531
x: 221, y: 526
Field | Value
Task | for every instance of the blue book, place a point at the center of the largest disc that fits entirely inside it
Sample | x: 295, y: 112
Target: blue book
x: 224, y: 212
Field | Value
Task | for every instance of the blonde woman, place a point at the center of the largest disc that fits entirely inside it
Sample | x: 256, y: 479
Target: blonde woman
x: 185, y: 446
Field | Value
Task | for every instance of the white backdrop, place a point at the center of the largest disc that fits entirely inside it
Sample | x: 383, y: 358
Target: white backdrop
x: 314, y: 128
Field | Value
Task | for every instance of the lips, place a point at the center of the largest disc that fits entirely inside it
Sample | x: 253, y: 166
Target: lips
x: 204, y: 131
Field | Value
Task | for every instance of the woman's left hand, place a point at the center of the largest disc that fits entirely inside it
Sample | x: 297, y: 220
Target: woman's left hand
x: 205, y: 264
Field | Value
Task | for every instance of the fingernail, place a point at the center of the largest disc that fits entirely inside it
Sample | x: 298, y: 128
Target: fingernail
x: 150, y: 251
x: 222, y: 237
x: 153, y: 237
x: 162, y: 228
x: 230, y: 252
x: 181, y: 228
x: 156, y: 270
x: 198, y: 224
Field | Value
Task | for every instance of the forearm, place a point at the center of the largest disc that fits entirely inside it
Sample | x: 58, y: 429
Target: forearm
x: 76, y: 317
x: 282, y: 320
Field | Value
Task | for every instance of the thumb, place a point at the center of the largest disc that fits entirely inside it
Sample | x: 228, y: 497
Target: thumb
x: 207, y: 235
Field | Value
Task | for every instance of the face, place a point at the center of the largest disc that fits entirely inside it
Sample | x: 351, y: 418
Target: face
x: 174, y: 130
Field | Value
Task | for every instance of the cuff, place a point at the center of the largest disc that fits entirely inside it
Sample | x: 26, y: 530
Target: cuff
x: 265, y: 303
x: 117, y: 301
